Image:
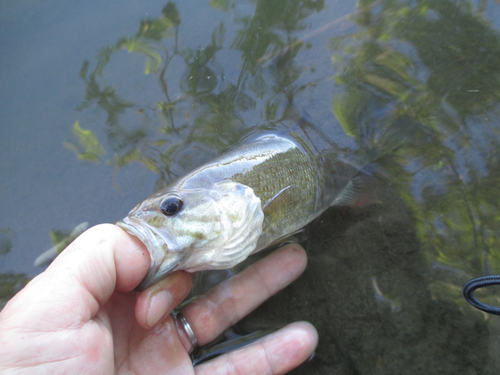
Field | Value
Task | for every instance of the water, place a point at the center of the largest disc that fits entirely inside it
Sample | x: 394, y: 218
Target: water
x: 155, y: 94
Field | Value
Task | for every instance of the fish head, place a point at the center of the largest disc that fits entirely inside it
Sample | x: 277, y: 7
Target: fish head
x: 213, y: 227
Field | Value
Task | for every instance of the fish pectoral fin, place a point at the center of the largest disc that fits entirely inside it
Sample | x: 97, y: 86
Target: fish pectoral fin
x: 359, y: 192
x: 278, y: 200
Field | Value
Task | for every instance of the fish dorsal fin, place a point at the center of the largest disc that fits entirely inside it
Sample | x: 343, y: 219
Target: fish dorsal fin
x: 359, y: 192
x: 272, y: 204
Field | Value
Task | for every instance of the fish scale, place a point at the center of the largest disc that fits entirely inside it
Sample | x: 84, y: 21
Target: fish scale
x: 240, y: 203
x: 289, y: 169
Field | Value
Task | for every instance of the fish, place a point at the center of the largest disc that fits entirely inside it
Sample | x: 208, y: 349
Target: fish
x: 243, y: 201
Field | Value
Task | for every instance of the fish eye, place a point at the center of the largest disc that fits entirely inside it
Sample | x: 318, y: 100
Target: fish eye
x: 171, y: 206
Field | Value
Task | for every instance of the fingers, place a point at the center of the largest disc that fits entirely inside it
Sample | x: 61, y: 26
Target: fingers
x: 276, y: 353
x: 81, y: 279
x: 153, y: 303
x: 231, y: 300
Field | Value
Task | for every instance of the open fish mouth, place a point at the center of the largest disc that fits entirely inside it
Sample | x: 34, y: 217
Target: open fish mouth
x: 157, y: 249
x: 143, y: 233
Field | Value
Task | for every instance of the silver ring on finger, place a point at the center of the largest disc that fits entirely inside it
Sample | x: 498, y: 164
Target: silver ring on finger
x: 187, y: 329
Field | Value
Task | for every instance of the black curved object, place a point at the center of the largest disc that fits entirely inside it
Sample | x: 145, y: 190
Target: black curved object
x: 480, y: 282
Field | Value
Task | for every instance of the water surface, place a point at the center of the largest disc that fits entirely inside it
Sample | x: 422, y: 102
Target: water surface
x: 102, y: 103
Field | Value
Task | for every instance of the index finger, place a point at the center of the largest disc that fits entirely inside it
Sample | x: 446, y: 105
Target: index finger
x: 231, y: 300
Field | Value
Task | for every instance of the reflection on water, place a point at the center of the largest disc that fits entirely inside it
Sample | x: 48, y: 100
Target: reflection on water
x: 383, y: 283
x: 200, y: 104
x: 10, y: 283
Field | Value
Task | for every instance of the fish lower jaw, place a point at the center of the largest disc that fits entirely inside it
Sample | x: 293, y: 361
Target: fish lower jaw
x: 156, y: 245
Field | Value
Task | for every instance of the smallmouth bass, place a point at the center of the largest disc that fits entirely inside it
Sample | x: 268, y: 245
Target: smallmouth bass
x: 241, y: 202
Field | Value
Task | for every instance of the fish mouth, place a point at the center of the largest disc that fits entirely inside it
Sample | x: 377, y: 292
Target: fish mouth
x: 134, y: 230
x: 162, y: 264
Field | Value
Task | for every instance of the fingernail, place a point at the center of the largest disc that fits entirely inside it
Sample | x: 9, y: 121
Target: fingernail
x: 160, y: 304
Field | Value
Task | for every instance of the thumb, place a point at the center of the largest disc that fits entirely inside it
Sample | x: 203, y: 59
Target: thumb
x: 81, y: 279
x: 102, y: 259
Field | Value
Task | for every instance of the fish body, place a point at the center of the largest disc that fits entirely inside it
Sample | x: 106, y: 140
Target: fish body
x: 240, y: 203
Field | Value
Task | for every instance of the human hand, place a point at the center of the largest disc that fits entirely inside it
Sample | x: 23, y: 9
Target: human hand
x: 82, y: 316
